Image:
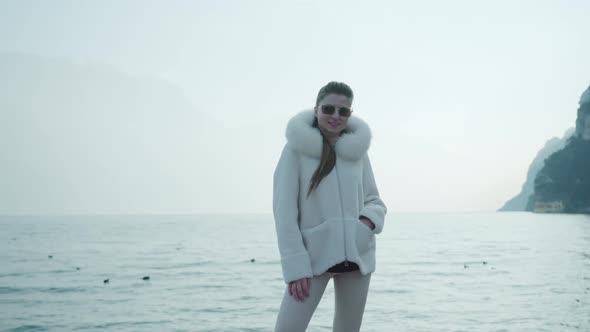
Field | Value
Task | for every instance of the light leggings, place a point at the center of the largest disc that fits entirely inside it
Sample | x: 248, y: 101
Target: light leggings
x: 350, y: 289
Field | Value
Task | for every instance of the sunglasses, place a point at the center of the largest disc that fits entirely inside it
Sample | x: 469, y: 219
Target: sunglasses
x: 330, y: 109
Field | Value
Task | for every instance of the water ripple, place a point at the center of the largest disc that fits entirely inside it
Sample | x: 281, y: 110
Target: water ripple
x: 27, y: 328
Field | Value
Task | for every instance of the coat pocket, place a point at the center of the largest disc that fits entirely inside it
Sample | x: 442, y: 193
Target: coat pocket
x: 365, y: 239
x: 324, y: 241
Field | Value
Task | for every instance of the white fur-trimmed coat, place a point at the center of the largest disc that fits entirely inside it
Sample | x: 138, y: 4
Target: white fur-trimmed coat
x: 316, y: 232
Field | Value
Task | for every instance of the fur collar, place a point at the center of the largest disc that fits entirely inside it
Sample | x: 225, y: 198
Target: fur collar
x: 307, y: 140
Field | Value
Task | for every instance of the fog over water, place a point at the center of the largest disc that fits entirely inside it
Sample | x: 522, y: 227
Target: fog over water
x: 135, y: 107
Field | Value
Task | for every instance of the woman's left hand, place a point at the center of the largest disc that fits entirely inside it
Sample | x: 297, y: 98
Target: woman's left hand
x: 367, y: 222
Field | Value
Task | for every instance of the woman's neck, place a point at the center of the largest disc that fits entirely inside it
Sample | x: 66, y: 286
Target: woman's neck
x: 330, y: 137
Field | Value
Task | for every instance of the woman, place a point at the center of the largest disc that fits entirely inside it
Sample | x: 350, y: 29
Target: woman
x: 327, y: 211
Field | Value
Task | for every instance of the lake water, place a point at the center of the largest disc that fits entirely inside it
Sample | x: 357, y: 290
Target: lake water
x: 430, y: 275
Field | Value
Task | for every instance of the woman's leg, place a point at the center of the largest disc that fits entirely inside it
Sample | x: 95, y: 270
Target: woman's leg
x: 350, y: 290
x: 295, y: 316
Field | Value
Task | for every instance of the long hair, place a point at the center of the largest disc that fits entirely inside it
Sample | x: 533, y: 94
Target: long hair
x: 328, y: 158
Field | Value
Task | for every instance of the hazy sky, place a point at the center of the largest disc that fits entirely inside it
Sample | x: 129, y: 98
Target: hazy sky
x: 460, y: 95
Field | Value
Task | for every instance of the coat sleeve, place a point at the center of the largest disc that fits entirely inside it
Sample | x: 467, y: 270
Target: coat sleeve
x: 295, y: 260
x: 374, y: 208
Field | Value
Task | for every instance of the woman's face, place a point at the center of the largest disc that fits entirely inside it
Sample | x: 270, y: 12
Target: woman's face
x: 333, y: 123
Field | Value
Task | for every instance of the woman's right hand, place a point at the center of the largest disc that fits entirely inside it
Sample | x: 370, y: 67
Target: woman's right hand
x: 299, y: 288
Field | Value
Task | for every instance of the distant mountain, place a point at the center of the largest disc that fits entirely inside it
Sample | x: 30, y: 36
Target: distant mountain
x: 88, y: 138
x: 583, y: 117
x: 558, y: 180
x: 563, y: 184
x: 519, y: 202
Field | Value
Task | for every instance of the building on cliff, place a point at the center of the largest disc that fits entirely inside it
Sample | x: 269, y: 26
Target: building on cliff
x: 548, y: 207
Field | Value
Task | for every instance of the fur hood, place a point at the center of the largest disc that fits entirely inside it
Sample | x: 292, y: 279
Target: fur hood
x: 307, y: 140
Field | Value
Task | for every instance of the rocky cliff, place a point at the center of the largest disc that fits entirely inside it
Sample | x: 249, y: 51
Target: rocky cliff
x: 563, y: 184
x: 519, y: 202
x: 558, y: 179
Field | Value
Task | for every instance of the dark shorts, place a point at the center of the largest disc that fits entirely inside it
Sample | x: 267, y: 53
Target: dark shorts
x: 345, y: 266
